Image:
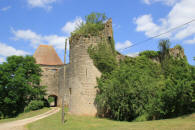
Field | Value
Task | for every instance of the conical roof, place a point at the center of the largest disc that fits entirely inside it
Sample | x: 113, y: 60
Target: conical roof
x: 46, y: 55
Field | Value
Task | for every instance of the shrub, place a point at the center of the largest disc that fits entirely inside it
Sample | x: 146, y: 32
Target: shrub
x: 94, y: 24
x: 131, y: 90
x: 138, y: 89
x: 150, y: 54
x: 103, y: 57
x: 50, y: 100
x: 34, y: 105
x: 179, y: 88
x: 178, y: 47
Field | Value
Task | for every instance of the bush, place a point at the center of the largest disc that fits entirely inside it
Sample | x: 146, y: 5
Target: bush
x: 103, y: 57
x: 50, y: 100
x: 179, y: 88
x: 150, y: 54
x: 138, y: 89
x: 131, y: 90
x: 34, y: 105
x: 179, y: 47
x: 94, y: 24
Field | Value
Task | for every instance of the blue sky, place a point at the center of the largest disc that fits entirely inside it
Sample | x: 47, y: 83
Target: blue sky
x: 24, y: 24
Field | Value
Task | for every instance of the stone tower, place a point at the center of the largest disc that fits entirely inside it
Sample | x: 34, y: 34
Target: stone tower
x: 81, y: 74
x: 52, y: 71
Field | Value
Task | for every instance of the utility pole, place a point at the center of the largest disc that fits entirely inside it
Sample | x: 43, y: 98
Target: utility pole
x: 63, y: 113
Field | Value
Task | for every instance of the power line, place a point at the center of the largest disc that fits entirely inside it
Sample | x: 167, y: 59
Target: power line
x: 148, y: 39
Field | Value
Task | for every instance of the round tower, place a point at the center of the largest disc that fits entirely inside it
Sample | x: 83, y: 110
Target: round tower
x: 82, y: 73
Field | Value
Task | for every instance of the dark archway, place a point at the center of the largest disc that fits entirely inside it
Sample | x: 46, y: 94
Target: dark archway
x: 53, y: 100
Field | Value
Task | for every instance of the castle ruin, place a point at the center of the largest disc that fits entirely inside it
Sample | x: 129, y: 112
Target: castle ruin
x: 80, y: 89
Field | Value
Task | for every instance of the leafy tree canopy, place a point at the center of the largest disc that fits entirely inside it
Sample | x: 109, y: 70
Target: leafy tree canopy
x: 141, y: 89
x: 131, y: 90
x: 19, y: 84
x: 150, y: 54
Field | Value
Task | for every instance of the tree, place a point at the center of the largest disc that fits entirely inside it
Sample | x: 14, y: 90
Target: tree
x: 178, y: 93
x: 131, y: 91
x: 164, y: 46
x: 19, y: 84
x: 141, y: 89
x: 179, y: 89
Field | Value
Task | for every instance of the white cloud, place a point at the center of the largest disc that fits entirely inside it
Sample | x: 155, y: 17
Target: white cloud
x: 145, y: 24
x: 192, y: 41
x: 181, y: 12
x: 55, y: 40
x: 133, y: 54
x: 120, y: 46
x: 5, y: 8
x: 37, y: 39
x: 6, y: 50
x: 146, y: 1
x: 72, y: 25
x: 167, y: 2
x: 2, y: 59
x: 41, y: 3
x: 116, y: 26
x: 28, y: 35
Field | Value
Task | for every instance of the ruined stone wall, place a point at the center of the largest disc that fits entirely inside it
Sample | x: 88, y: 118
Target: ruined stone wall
x: 52, y: 77
x: 81, y: 75
x: 177, y: 52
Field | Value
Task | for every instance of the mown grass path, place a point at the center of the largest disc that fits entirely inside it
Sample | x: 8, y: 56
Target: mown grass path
x: 19, y: 124
x: 26, y: 115
x: 92, y: 123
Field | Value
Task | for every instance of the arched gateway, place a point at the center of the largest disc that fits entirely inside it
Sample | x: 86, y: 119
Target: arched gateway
x: 54, y: 100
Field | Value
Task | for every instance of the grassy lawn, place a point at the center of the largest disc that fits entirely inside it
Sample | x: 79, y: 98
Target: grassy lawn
x: 26, y: 115
x: 92, y: 123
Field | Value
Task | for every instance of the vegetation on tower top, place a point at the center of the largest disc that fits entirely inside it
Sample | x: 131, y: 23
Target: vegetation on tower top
x: 94, y: 23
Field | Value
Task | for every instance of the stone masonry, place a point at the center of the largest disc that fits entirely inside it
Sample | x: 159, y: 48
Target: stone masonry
x: 80, y: 82
x: 81, y: 74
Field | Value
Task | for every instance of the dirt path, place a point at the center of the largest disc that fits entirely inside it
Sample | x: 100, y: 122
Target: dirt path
x: 19, y: 124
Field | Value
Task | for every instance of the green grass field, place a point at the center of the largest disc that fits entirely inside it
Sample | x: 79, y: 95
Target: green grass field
x: 92, y: 123
x: 26, y: 115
